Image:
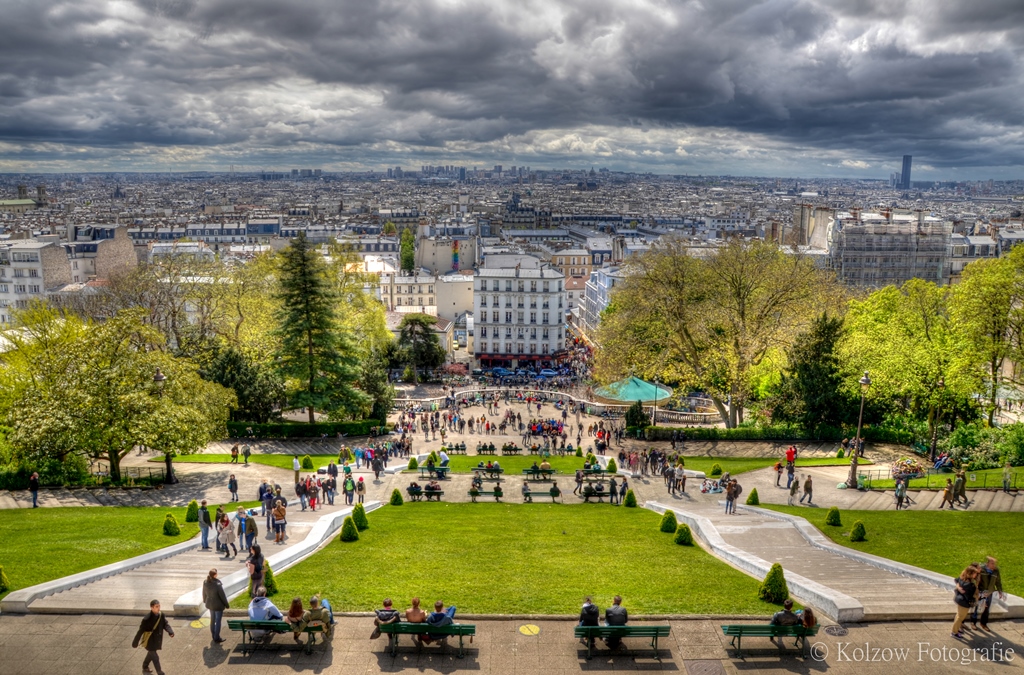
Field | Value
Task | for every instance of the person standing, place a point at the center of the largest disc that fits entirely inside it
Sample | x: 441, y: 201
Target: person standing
x: 613, y: 491
x: 204, y: 525
x: 778, y: 473
x: 233, y: 487
x: 947, y: 495
x: 256, y: 567
x: 33, y: 487
x: 989, y: 583
x: 959, y: 487
x: 216, y: 601
x: 730, y: 497
x: 361, y: 489
x: 226, y: 535
x: 965, y: 593
x: 280, y: 521
x: 790, y: 474
x: 901, y: 493
x: 150, y: 636
x: 808, y: 491
x: 350, y: 488
x: 622, y: 491
x: 377, y: 466
x: 1006, y: 477
x: 246, y: 452
x: 296, y: 467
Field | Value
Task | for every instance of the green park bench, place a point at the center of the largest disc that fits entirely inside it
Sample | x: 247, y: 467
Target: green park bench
x: 737, y: 631
x: 540, y: 474
x: 486, y: 493
x: 485, y: 449
x: 489, y: 473
x: 513, y: 450
x: 417, y: 495
x: 457, y: 449
x: 246, y: 626
x: 530, y: 496
x: 589, y: 493
x: 589, y: 633
x: 440, y: 471
x: 393, y: 630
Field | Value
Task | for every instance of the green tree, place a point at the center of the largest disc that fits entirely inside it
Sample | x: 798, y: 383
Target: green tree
x: 319, y: 359
x: 259, y: 389
x: 374, y: 382
x: 407, y: 251
x: 636, y: 416
x: 419, y: 344
x: 707, y: 321
x: 389, y: 229
x: 814, y: 378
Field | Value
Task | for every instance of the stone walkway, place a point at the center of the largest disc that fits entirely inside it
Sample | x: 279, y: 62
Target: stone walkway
x: 101, y: 645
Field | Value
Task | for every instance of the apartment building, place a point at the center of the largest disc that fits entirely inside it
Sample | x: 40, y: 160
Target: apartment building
x: 519, y: 316
x: 29, y: 267
x: 412, y: 293
x: 573, y: 262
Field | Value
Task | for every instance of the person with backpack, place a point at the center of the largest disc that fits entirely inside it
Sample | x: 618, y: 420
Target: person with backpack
x: 350, y: 488
x: 361, y: 490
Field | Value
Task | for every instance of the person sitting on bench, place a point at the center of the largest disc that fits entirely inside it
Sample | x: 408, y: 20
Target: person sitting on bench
x: 590, y: 616
x: 416, y: 615
x: 387, y: 614
x: 545, y: 465
x: 616, y: 615
x: 496, y: 466
x: 478, y: 481
x: 535, y: 469
x: 526, y: 492
x: 318, y: 614
x: 785, y: 617
x: 262, y: 609
x: 441, y: 616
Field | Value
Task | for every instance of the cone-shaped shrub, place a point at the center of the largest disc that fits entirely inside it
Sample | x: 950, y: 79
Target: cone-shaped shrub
x: 591, y: 458
x: 413, y: 464
x: 630, y: 501
x: 683, y: 535
x: 433, y: 456
x: 752, y: 499
x: 307, y: 462
x: 359, y: 518
x: 5, y: 583
x: 858, y: 533
x: 269, y: 582
x: 668, y: 522
x: 840, y: 454
x: 716, y: 469
x: 579, y: 451
x: 832, y: 517
x: 612, y: 466
x: 773, y: 588
x: 171, y: 528
x: 396, y: 498
x: 192, y: 513
x: 349, y: 531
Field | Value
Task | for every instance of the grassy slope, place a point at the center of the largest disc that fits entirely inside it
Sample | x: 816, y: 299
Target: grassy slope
x: 985, y: 478
x: 501, y: 558
x: 941, y: 541
x: 45, y: 544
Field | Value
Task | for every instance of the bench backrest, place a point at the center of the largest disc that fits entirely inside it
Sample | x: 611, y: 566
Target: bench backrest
x: 768, y: 629
x: 427, y: 629
x: 623, y: 631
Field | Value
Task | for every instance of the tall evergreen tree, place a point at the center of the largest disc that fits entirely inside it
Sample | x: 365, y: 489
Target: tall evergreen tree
x: 407, y: 250
x: 419, y: 345
x: 375, y: 383
x: 318, y: 357
x: 258, y: 388
x: 814, y: 375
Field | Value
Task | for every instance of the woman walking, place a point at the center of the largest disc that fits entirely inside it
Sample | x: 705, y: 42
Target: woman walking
x: 226, y: 535
x: 964, y: 596
x: 280, y: 521
x: 255, y: 565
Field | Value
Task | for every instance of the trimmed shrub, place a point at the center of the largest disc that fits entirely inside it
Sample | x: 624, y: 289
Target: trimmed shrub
x: 5, y: 583
x: 752, y: 499
x: 349, y: 531
x: 269, y: 582
x: 396, y: 498
x: 433, y: 456
x: 591, y: 458
x: 359, y: 518
x: 413, y: 464
x: 683, y: 535
x: 630, y: 500
x: 669, y: 523
x: 306, y: 462
x: 716, y: 469
x: 171, y: 528
x: 840, y: 454
x: 858, y: 533
x: 192, y: 513
x: 783, y: 432
x: 612, y: 466
x: 579, y: 451
x: 774, y: 588
x: 832, y: 517
x: 301, y: 430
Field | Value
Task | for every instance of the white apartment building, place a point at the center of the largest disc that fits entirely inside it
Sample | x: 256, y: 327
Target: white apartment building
x: 409, y: 293
x: 28, y: 268
x: 519, y: 317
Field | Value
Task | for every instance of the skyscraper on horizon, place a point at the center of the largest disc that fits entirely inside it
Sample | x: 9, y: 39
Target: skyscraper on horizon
x: 905, y: 175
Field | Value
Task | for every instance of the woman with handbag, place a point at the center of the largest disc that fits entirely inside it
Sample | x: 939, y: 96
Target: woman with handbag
x: 964, y: 595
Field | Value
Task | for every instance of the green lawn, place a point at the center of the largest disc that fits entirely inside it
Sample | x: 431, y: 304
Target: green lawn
x: 737, y: 465
x: 514, y: 464
x: 985, y: 478
x: 506, y: 559
x: 941, y: 541
x: 45, y: 544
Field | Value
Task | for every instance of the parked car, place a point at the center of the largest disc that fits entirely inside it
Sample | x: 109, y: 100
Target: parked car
x: 478, y: 372
x: 501, y: 372
x: 547, y: 372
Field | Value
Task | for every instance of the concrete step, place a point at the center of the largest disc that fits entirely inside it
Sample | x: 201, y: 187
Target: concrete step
x: 7, y: 500
x: 1018, y: 502
x: 981, y: 500
x: 1001, y: 501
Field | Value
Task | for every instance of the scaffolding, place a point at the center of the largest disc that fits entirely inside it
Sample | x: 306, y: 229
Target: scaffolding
x: 880, y: 254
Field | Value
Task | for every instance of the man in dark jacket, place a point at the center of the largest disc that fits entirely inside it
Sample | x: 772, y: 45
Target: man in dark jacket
x: 616, y: 615
x: 216, y: 601
x: 785, y: 618
x: 590, y: 616
x: 154, y: 624
x: 33, y: 487
x: 204, y: 525
x: 387, y: 614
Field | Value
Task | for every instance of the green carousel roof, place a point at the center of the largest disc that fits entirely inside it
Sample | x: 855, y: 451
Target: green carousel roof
x: 633, y: 389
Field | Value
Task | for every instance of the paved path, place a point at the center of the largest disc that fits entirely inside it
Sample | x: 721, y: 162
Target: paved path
x: 101, y: 645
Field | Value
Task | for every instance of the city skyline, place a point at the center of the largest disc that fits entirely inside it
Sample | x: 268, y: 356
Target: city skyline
x: 788, y: 88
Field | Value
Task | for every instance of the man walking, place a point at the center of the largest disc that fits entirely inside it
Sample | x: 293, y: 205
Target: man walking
x: 296, y: 467
x: 808, y: 491
x: 150, y: 636
x: 989, y: 583
x: 204, y: 525
x: 613, y: 492
x: 33, y: 487
x: 246, y: 452
x: 790, y: 473
x: 793, y: 486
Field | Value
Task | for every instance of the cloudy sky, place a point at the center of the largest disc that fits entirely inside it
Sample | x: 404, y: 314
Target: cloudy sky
x: 746, y: 87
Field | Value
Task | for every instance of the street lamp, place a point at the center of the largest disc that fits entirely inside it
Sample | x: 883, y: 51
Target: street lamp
x: 935, y: 421
x: 654, y: 419
x: 158, y: 380
x: 851, y: 481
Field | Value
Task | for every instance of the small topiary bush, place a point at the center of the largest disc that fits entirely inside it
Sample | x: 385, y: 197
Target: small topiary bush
x: 752, y: 499
x: 5, y: 583
x: 683, y: 535
x: 591, y: 458
x: 349, y: 531
x: 171, y: 528
x: 669, y: 523
x: 433, y: 456
x: 192, y: 513
x: 832, y: 517
x: 269, y: 582
x: 579, y: 452
x: 858, y: 533
x: 307, y: 462
x: 396, y: 498
x: 359, y: 517
x: 413, y: 464
x: 630, y: 500
x: 840, y: 454
x: 716, y: 469
x: 612, y: 466
x: 774, y: 588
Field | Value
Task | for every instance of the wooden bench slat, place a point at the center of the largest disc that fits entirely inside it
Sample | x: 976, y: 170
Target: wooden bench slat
x: 737, y: 631
x: 393, y: 630
x: 590, y: 633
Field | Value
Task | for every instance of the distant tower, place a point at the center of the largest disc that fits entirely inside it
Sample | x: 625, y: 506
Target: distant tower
x: 905, y: 175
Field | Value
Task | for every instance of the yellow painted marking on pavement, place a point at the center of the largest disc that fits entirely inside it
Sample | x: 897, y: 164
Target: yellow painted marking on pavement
x: 529, y: 629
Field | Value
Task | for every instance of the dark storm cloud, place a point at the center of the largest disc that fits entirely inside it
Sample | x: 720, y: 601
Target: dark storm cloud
x: 365, y: 82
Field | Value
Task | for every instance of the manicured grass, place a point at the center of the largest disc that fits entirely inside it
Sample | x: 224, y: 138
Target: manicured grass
x: 514, y: 464
x: 45, y: 544
x: 985, y: 478
x: 941, y: 541
x: 507, y: 559
x: 737, y: 465
x: 280, y: 461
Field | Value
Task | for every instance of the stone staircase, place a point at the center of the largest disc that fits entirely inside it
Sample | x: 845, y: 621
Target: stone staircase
x: 925, y: 500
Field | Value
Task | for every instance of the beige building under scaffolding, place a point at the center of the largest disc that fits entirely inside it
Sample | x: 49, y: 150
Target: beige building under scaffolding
x: 878, y: 249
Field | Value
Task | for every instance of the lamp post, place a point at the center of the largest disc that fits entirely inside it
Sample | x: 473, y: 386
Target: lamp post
x: 158, y: 382
x: 851, y: 481
x: 935, y: 421
x: 654, y: 418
